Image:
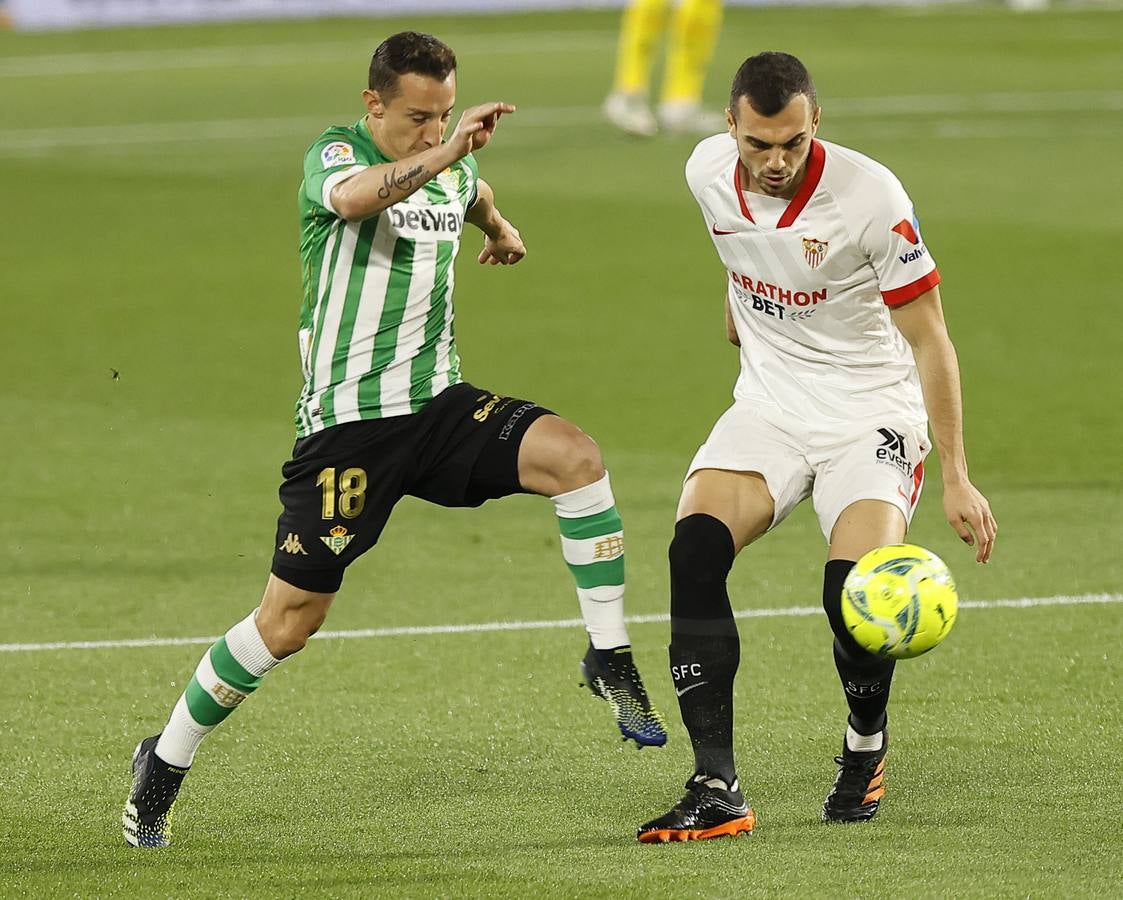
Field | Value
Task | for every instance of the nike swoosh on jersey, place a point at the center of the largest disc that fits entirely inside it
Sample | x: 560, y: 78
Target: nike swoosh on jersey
x: 717, y: 230
x: 687, y: 690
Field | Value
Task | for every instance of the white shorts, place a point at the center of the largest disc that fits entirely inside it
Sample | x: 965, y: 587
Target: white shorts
x: 883, y: 461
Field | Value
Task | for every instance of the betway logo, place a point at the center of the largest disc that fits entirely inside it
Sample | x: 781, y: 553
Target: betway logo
x: 913, y: 255
x: 432, y: 221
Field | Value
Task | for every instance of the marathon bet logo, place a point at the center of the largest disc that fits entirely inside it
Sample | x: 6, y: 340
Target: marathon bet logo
x: 892, y: 450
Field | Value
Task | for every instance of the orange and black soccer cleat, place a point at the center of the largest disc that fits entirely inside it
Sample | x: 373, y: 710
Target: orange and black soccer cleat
x: 709, y: 810
x: 859, y: 785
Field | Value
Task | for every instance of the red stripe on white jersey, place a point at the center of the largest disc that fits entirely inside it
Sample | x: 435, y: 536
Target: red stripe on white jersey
x: 816, y: 159
x: 902, y: 295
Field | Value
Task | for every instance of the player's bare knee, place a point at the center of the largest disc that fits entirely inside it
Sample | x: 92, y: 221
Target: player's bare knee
x: 289, y: 616
x: 578, y: 461
x: 289, y: 634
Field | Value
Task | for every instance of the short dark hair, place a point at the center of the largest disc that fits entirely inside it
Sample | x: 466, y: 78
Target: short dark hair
x: 408, y: 52
x: 769, y: 81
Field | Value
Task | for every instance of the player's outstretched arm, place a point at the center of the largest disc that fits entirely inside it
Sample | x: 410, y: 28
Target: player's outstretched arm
x: 379, y: 187
x: 968, y: 512
x: 503, y: 245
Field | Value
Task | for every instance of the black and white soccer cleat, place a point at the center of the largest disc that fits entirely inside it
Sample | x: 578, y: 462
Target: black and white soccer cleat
x: 148, y: 811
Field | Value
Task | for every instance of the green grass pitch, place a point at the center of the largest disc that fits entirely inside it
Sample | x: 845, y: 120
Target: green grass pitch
x: 148, y: 186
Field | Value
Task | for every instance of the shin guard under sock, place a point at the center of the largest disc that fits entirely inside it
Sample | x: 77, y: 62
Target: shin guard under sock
x: 865, y: 677
x: 705, y: 648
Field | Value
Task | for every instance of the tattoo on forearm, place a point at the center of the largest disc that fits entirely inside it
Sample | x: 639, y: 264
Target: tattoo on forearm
x: 402, y: 180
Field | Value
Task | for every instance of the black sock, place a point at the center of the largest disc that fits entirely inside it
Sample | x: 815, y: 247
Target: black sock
x: 866, y: 677
x: 705, y: 649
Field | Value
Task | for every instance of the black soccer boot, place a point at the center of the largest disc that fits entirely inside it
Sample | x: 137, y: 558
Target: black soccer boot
x: 859, y: 785
x: 148, y: 811
x: 710, y: 809
x: 612, y: 676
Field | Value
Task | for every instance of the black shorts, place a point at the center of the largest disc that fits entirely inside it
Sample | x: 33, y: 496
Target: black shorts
x: 342, y: 482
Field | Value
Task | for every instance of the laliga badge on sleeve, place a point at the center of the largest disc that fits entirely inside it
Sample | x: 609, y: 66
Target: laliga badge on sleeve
x: 337, y: 153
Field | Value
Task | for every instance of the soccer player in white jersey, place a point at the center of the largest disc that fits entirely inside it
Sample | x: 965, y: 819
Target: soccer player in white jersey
x: 832, y: 297
x: 384, y: 412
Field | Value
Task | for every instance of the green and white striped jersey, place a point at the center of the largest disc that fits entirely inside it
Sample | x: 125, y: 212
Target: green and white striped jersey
x: 376, y: 330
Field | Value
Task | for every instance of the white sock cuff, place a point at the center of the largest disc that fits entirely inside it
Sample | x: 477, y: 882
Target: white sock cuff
x: 247, y: 646
x: 863, y: 743
x: 602, y: 608
x: 181, y: 737
x: 585, y: 501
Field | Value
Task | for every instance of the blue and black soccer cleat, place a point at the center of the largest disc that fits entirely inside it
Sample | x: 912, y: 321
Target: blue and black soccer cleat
x: 148, y: 811
x: 612, y: 675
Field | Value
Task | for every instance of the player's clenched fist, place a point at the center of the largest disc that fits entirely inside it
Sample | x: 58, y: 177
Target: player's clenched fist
x: 476, y: 126
x: 505, y: 249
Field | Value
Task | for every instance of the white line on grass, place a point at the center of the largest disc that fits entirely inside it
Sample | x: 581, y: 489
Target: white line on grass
x: 264, y: 55
x: 17, y: 141
x: 539, y: 625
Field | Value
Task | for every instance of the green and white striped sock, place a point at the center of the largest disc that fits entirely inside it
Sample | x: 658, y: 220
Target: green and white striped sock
x: 229, y: 672
x: 592, y: 538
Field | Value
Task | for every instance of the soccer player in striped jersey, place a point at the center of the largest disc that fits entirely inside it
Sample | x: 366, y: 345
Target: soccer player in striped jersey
x: 833, y: 299
x: 384, y: 412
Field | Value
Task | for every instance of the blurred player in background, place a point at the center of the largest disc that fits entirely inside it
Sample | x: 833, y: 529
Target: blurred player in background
x: 384, y: 412
x: 832, y: 297
x: 693, y: 31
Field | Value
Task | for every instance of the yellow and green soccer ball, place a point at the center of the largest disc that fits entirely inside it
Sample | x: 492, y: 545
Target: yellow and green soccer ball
x: 899, y: 601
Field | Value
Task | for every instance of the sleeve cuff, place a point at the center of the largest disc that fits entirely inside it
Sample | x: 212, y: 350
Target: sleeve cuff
x: 902, y: 295
x: 332, y: 180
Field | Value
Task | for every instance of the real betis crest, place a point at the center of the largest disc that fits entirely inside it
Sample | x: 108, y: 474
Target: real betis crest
x: 337, y: 540
x: 450, y: 180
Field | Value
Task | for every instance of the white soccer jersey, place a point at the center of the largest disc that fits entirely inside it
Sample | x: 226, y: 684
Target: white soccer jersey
x: 811, y: 281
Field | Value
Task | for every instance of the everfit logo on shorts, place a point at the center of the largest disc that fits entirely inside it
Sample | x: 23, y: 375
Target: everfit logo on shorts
x: 291, y: 544
x: 432, y: 222
x: 892, y: 450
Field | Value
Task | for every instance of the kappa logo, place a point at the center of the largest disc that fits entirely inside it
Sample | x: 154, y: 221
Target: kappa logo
x: 337, y: 153
x: 337, y: 539
x: 509, y: 425
x: 814, y: 251
x: 892, y: 450
x: 291, y: 544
